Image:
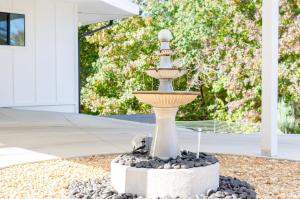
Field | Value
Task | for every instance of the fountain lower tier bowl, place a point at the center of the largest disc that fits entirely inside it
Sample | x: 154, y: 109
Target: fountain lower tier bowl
x: 165, y: 73
x: 154, y: 183
x: 165, y: 99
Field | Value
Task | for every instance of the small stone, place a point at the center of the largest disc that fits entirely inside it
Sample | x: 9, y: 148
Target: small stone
x: 184, y: 166
x: 234, y: 196
x: 74, y: 192
x: 197, y: 164
x: 160, y: 166
x: 121, y: 162
x: 128, y: 195
x: 219, y: 194
x: 132, y: 164
x: 228, y: 192
x: 252, y: 195
x: 176, y: 166
x: 209, y: 192
x: 167, y: 166
x: 118, y: 197
x: 243, y: 196
x: 79, y: 195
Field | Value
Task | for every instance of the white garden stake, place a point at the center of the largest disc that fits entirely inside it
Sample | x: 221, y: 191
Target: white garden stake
x: 199, y: 141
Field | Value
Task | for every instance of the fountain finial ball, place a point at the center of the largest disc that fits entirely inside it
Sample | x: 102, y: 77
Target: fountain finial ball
x: 164, y: 35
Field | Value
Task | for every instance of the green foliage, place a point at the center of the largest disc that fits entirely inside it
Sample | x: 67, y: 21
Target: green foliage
x: 88, y: 55
x: 287, y: 121
x: 218, y: 42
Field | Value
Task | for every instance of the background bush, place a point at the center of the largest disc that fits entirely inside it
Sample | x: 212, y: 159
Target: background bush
x: 218, y: 42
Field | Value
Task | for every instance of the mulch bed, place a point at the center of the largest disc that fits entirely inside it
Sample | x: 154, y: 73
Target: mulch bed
x: 272, y: 179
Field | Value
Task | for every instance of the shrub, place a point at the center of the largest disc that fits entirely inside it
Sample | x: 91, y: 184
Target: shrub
x: 218, y: 42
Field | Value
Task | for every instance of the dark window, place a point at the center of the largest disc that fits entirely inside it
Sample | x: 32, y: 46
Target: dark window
x: 3, y: 28
x: 12, y: 29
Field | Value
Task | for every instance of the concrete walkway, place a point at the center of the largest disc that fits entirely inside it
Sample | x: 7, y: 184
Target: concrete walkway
x: 29, y: 136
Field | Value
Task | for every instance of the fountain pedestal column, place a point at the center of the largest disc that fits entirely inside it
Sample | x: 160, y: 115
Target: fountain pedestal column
x: 165, y: 85
x: 165, y: 144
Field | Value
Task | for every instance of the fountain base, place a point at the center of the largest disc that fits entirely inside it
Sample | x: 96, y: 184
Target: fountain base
x: 154, y: 183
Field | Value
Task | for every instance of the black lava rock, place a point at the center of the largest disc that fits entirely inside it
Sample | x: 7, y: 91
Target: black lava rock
x: 229, y: 188
x: 185, y: 160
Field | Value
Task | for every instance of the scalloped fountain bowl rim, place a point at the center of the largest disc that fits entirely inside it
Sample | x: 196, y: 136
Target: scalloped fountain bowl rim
x: 179, y: 69
x: 165, y: 73
x: 168, y: 93
x: 161, y: 99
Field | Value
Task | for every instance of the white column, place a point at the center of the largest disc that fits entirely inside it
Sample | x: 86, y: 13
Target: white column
x: 270, y: 21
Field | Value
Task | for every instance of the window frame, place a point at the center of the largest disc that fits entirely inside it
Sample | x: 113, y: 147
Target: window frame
x: 8, y: 31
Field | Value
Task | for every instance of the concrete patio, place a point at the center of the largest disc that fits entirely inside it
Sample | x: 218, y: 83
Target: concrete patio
x: 29, y: 136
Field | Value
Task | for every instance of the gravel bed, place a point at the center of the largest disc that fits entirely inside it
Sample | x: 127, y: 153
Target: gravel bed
x: 229, y: 188
x: 272, y: 179
x: 185, y: 160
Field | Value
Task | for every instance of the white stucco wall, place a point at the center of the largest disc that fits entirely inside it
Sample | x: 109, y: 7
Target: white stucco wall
x: 43, y: 74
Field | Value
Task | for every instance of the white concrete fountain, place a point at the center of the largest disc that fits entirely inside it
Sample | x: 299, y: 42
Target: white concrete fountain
x: 153, y: 183
x: 165, y: 101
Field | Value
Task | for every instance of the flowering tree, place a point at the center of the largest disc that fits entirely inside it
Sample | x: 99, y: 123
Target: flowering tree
x: 218, y: 42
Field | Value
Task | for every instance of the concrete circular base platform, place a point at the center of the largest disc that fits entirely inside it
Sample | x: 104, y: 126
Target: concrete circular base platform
x: 153, y: 183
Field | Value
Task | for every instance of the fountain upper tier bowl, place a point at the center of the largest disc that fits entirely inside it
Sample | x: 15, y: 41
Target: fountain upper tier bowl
x: 165, y: 73
x: 166, y: 99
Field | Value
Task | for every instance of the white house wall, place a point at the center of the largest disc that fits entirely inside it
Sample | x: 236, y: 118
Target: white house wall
x: 43, y: 74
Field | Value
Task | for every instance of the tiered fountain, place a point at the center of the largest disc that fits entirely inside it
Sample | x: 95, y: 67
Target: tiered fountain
x: 153, y: 182
x: 164, y: 172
